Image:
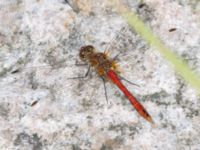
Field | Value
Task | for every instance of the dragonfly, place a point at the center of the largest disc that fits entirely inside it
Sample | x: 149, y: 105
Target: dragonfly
x: 107, y: 69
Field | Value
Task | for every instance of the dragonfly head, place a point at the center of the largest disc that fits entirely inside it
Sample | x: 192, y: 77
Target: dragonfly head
x: 86, y: 52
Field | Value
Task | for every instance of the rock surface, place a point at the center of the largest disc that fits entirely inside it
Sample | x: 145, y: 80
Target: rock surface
x: 40, y: 108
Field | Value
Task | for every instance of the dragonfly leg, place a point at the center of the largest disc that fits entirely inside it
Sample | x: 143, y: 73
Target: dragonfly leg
x: 105, y: 90
x: 81, y: 77
x: 122, y: 78
x: 79, y: 64
x: 116, y: 57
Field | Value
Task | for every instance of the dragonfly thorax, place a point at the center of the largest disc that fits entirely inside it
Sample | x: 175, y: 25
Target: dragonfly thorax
x: 100, y: 61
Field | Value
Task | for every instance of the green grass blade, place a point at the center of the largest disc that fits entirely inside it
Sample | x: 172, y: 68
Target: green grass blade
x: 181, y: 67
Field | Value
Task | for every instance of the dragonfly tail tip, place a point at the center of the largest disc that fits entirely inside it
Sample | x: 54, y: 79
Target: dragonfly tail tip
x: 149, y: 119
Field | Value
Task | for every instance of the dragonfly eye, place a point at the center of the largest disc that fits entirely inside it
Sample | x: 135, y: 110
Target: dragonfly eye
x: 86, y: 52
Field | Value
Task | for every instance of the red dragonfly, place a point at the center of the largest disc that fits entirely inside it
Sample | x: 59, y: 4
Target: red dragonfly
x: 107, y: 69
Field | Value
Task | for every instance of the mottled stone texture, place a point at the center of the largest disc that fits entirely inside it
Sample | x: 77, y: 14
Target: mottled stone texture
x: 41, y: 109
